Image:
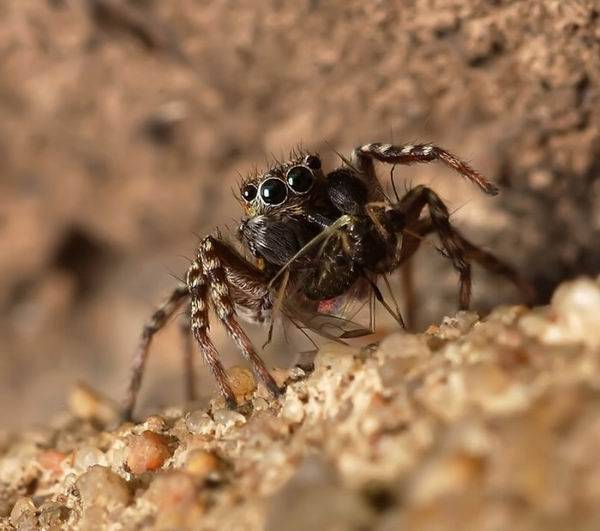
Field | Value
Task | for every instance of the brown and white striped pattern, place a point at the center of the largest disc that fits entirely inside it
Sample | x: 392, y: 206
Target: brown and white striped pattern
x: 409, y: 154
x: 218, y: 291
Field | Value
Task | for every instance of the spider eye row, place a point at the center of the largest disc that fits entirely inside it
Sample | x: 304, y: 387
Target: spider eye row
x: 274, y: 191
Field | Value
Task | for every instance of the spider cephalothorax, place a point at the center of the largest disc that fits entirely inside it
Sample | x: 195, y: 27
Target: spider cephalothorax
x: 312, y: 236
x: 276, y: 203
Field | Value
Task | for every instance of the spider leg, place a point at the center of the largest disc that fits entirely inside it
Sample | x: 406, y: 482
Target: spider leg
x: 453, y: 244
x: 197, y: 285
x: 495, y: 265
x: 363, y: 156
x: 157, y: 321
x: 483, y: 258
x: 185, y: 326
x: 222, y: 268
x: 413, y: 203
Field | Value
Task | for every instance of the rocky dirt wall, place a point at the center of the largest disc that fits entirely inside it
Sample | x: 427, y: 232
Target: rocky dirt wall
x: 123, y: 125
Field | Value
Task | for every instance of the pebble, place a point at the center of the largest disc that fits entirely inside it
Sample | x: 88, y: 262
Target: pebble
x: 509, y: 407
x: 88, y: 456
x: 86, y: 403
x: 228, y: 418
x: 445, y: 475
x: 51, y: 460
x: 172, y: 489
x: 292, y: 409
x: 260, y: 404
x: 200, y: 423
x: 100, y: 487
x: 201, y: 464
x: 53, y: 515
x: 155, y: 423
x: 147, y: 451
x: 175, y: 496
x: 577, y: 304
x: 23, y: 515
x: 242, y: 382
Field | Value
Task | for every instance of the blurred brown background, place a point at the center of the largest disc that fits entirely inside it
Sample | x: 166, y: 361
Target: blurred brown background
x: 124, y: 124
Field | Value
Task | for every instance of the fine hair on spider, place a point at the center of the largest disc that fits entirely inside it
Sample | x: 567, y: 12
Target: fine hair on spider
x: 308, y: 236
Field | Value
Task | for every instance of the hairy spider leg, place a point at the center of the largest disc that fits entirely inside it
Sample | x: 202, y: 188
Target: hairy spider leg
x: 455, y: 245
x: 495, y: 265
x: 362, y: 158
x: 412, y: 237
x: 197, y: 284
x: 412, y: 204
x: 220, y: 274
x: 157, y: 321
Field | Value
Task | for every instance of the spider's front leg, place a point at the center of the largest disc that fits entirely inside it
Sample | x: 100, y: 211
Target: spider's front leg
x: 363, y: 156
x: 221, y: 276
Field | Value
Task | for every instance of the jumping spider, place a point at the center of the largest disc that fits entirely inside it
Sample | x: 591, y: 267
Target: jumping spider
x: 313, y: 236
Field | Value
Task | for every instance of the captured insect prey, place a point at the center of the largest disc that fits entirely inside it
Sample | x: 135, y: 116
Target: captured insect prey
x: 307, y: 237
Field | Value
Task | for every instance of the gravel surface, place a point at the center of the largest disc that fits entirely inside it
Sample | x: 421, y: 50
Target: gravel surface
x: 124, y: 124
x: 473, y: 424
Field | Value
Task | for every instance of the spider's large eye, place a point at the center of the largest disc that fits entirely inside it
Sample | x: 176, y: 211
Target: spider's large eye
x: 273, y: 191
x: 249, y: 192
x: 300, y: 179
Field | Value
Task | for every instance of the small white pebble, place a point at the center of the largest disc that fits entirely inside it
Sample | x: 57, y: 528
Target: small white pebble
x: 228, y: 418
x: 200, y: 423
x: 88, y: 456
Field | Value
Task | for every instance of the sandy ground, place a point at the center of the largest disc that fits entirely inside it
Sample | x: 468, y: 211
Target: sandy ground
x: 473, y: 425
x: 122, y: 132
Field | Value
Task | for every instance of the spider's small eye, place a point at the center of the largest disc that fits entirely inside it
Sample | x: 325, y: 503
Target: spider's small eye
x: 249, y: 192
x: 273, y: 191
x: 300, y: 179
x: 313, y: 162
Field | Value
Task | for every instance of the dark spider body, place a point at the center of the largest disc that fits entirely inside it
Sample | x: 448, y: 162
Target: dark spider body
x: 313, y: 236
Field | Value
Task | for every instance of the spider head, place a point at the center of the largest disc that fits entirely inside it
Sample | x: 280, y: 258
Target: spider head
x: 284, y: 190
x: 275, y: 202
